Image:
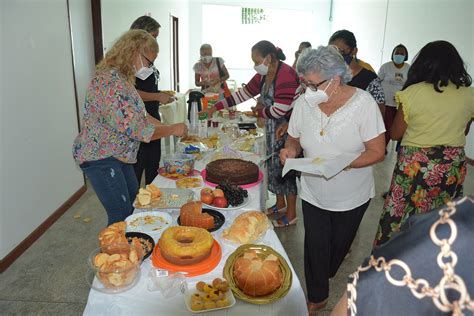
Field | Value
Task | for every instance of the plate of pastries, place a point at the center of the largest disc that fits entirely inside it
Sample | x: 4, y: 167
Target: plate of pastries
x: 208, y: 296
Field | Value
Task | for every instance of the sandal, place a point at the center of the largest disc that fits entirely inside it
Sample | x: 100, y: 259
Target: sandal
x: 313, y: 308
x: 274, y: 210
x: 285, y: 222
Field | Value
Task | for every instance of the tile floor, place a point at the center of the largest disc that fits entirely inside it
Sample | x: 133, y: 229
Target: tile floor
x: 49, y: 278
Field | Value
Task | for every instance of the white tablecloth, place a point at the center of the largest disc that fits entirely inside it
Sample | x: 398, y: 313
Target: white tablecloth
x: 140, y: 301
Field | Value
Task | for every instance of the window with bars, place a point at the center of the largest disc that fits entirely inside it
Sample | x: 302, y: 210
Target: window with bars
x: 252, y: 15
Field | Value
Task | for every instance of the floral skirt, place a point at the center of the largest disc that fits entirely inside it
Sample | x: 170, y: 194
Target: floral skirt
x: 423, y: 178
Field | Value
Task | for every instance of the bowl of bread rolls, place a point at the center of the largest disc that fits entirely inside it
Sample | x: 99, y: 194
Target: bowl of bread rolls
x: 115, y: 267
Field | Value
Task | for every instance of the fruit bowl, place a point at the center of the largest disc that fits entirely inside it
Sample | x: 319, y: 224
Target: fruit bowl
x: 179, y: 164
x: 116, y: 267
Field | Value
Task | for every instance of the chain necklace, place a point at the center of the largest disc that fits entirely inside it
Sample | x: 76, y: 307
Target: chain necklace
x: 420, y: 288
x: 321, y: 131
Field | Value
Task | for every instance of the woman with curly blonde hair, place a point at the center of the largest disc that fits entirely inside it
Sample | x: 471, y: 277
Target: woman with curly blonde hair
x: 115, y: 122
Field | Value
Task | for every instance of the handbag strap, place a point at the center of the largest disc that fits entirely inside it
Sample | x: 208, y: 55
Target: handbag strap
x: 221, y: 72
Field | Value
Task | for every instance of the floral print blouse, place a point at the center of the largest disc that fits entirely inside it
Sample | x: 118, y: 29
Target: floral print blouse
x: 114, y: 120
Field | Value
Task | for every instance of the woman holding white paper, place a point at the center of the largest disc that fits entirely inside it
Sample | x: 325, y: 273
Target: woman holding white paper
x: 331, y: 119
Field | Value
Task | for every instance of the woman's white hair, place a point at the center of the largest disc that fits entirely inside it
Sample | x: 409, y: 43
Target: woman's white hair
x: 205, y: 46
x: 326, y: 61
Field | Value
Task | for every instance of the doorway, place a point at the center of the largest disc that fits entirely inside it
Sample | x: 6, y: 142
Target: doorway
x: 174, y: 53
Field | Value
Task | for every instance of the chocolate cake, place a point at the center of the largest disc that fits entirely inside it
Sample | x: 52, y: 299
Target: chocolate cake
x: 235, y: 171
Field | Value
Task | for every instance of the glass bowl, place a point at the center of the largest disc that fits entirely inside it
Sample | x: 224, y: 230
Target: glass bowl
x: 182, y: 164
x: 114, y: 268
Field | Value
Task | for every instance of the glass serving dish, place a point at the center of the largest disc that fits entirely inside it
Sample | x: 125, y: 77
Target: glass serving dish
x: 114, y: 268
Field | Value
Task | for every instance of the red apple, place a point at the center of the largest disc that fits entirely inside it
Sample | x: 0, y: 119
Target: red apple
x: 206, y: 190
x: 220, y: 201
x: 207, y: 198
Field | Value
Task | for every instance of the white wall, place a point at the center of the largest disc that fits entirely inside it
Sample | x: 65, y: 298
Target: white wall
x: 118, y: 15
x: 83, y: 45
x: 38, y: 117
x: 413, y: 23
x: 317, y: 35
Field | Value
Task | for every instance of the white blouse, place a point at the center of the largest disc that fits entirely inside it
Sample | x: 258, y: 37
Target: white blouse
x: 345, y: 131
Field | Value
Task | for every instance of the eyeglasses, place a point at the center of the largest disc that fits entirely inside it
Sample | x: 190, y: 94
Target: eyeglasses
x: 150, y: 63
x: 312, y: 86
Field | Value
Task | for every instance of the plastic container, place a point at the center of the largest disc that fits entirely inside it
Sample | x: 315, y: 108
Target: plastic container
x: 202, y: 125
x: 193, y: 119
x: 179, y: 164
x: 114, y: 268
x: 190, y: 294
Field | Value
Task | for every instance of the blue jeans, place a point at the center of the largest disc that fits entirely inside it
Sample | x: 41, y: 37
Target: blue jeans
x: 115, y: 184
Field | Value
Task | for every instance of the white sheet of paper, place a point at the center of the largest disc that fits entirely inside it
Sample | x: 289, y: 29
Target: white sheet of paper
x: 324, y: 166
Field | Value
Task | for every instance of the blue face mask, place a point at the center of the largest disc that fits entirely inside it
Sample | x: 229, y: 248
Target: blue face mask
x: 347, y: 58
x: 398, y: 59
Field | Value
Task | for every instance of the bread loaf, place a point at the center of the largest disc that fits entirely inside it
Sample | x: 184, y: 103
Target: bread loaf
x: 247, y: 227
x: 256, y: 276
x: 154, y: 190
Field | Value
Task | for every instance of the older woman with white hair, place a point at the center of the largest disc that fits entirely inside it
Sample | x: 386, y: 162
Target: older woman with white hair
x: 210, y: 72
x: 331, y: 118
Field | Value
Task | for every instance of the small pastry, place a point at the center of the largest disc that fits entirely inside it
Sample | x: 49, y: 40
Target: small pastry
x: 216, y: 281
x: 207, y: 298
x: 197, y: 306
x: 208, y: 288
x: 215, y: 295
x: 196, y: 297
x: 200, y: 286
x: 223, y: 302
x: 223, y: 286
x: 209, y: 305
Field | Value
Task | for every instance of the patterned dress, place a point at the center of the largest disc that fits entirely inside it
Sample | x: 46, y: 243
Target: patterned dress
x: 276, y: 183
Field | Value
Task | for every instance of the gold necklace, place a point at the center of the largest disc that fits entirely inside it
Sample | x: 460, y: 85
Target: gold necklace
x: 321, y: 132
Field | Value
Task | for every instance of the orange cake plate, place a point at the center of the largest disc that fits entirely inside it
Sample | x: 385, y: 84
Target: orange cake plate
x: 192, y: 270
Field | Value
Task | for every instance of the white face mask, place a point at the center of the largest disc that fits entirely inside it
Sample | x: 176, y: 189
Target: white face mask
x: 144, y: 72
x: 261, y: 69
x: 206, y: 59
x: 316, y: 97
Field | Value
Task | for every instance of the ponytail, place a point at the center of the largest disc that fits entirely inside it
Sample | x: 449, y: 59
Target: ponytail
x: 280, y: 55
x: 266, y: 47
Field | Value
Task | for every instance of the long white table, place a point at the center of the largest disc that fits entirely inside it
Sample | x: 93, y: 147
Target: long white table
x: 140, y: 301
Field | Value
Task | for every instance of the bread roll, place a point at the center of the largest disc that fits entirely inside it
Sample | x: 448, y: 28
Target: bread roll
x: 256, y: 276
x: 154, y: 190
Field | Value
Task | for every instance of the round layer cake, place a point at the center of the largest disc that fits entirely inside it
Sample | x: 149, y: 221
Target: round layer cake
x: 183, y: 245
x: 235, y: 171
